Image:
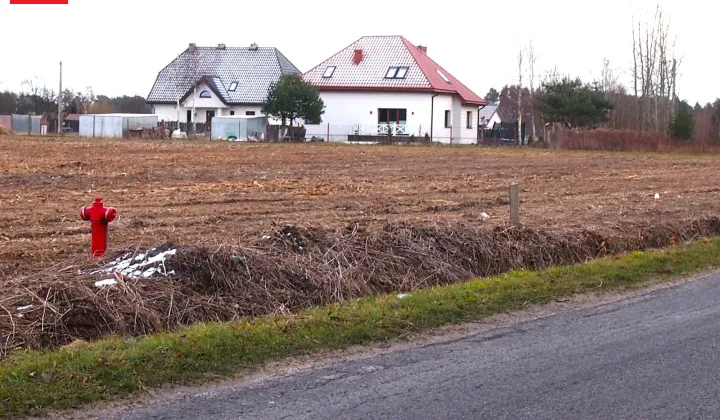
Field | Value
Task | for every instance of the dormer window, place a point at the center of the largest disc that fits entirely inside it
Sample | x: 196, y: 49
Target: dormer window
x: 329, y: 72
x: 233, y: 86
x: 442, y: 75
x: 205, y: 94
x: 396, y: 73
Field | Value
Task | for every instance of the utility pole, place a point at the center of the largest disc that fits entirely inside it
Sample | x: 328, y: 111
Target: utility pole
x: 60, y: 103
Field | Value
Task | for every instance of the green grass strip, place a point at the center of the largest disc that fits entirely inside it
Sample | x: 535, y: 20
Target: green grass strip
x: 32, y: 382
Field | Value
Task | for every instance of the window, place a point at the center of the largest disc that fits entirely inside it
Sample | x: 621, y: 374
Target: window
x: 249, y: 112
x: 233, y: 86
x: 447, y: 119
x: 443, y: 76
x: 469, y: 119
x: 396, y: 73
x: 205, y: 94
x: 392, y: 115
x: 232, y: 113
x: 329, y: 72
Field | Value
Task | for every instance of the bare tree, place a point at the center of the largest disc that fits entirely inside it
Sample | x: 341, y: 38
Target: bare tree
x: 551, y: 76
x: 613, y: 90
x: 186, y: 72
x: 521, y: 54
x: 194, y: 65
x: 178, y: 85
x: 531, y: 73
x: 609, y: 81
x: 635, y: 74
x: 33, y: 90
x: 32, y: 85
x: 655, y: 71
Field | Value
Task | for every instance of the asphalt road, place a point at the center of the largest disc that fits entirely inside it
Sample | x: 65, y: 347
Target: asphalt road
x: 655, y: 356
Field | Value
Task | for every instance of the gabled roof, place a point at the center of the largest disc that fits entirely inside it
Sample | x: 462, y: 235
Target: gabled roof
x: 254, y: 69
x: 215, y: 84
x: 488, y: 111
x: 377, y: 55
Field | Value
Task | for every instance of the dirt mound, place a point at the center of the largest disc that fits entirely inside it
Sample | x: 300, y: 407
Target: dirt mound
x: 4, y: 131
x: 288, y: 269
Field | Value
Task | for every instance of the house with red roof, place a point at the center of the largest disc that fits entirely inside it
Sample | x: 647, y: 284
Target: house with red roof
x: 382, y: 85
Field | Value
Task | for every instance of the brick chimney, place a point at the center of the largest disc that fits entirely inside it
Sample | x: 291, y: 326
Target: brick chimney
x: 423, y: 49
x: 192, y: 47
x: 357, y: 57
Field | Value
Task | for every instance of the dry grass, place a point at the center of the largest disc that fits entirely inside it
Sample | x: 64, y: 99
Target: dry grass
x: 294, y: 268
x: 628, y: 141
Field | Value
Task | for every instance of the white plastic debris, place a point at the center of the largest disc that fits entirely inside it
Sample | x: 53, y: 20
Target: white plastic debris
x: 141, y: 266
x: 107, y: 282
x: 484, y: 216
x: 657, y: 196
x: 403, y: 296
x: 24, y: 308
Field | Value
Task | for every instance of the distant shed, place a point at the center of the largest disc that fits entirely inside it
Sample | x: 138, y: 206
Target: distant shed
x: 24, y: 124
x: 71, y: 123
x: 6, y: 121
x: 115, y: 125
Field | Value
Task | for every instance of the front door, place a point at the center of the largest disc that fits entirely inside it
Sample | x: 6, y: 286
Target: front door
x: 208, y: 119
x: 189, y: 127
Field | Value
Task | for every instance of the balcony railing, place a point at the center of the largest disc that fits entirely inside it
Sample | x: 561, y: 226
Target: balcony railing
x: 393, y: 128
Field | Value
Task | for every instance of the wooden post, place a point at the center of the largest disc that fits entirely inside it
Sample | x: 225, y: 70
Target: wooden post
x: 514, y: 205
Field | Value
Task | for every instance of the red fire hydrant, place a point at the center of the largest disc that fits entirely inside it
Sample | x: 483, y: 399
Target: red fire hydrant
x: 99, y: 217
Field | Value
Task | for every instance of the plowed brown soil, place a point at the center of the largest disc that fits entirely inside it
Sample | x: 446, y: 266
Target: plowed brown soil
x: 212, y: 193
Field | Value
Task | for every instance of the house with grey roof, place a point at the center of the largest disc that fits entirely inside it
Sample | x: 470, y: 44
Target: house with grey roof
x: 203, y: 82
x: 489, y: 116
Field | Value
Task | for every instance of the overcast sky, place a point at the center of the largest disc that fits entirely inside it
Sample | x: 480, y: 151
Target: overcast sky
x: 118, y: 47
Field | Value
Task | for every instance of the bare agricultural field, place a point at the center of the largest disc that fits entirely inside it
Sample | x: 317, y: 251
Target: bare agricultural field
x: 212, y: 193
x: 258, y: 229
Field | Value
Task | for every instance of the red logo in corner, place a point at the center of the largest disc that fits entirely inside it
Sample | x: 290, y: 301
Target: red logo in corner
x: 38, y: 1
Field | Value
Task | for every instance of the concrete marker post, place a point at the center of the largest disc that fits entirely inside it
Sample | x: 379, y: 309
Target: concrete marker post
x: 514, y: 205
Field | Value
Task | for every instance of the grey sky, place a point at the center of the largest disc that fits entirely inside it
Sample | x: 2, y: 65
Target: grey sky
x: 117, y: 47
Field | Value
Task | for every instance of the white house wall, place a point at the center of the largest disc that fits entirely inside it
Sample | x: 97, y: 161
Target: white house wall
x: 441, y: 133
x: 167, y: 112
x: 346, y: 112
x: 468, y: 135
x: 243, y: 109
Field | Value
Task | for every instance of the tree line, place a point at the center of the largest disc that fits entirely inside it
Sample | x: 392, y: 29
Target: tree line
x: 649, y: 105
x: 578, y: 105
x: 39, y: 100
